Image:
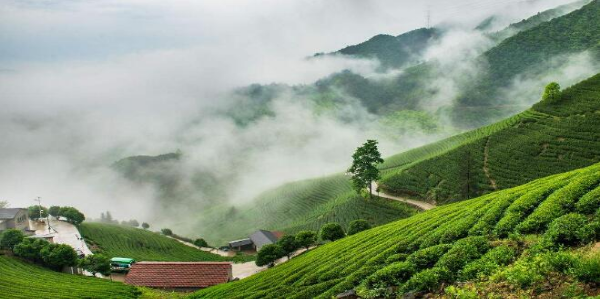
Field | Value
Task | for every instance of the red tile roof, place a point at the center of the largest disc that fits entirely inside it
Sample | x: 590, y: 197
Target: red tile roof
x: 179, y: 274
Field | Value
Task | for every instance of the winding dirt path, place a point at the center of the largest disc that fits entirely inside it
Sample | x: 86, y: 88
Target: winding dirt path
x: 493, y: 183
x: 419, y: 204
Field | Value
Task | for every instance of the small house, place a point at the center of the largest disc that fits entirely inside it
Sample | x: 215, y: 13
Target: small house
x: 179, y: 276
x: 14, y: 218
x: 256, y: 240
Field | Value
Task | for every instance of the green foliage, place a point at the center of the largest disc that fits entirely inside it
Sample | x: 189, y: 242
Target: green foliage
x: 488, y: 263
x: 54, y: 211
x: 586, y: 269
x: 96, y: 263
x: 331, y: 232
x: 364, y: 168
x: 200, y: 243
x: 10, y: 238
x: 34, y: 212
x: 72, y: 215
x: 394, y: 51
x: 588, y: 202
x: 348, y: 263
x: 268, y: 254
x: 425, y: 281
x: 427, y: 257
x: 462, y: 252
x: 358, y: 226
x: 30, y: 249
x: 57, y: 256
x: 569, y: 230
x: 288, y: 244
x: 145, y: 225
x: 20, y: 279
x: 550, y: 138
x: 167, y: 232
x: 140, y: 244
x: 552, y: 92
x: 306, y: 238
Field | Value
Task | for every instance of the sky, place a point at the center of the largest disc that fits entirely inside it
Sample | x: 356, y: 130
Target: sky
x: 84, y: 83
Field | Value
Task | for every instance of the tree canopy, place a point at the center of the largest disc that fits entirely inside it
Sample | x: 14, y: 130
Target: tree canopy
x: 364, y: 168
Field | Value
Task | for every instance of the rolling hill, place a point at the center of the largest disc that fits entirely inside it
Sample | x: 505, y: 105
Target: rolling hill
x: 139, y: 244
x: 20, y: 279
x: 302, y: 205
x: 394, y: 51
x: 551, y: 137
x: 490, y: 239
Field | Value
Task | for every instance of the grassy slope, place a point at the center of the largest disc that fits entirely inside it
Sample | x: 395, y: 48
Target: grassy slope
x: 297, y: 206
x: 346, y: 263
x: 547, y: 139
x: 139, y: 244
x: 19, y: 279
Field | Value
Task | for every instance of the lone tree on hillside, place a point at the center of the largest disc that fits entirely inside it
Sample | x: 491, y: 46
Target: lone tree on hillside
x: 364, y: 170
x: 145, y: 225
x: 552, y: 92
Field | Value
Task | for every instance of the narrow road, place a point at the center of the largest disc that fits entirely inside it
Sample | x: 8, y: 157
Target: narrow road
x: 419, y: 204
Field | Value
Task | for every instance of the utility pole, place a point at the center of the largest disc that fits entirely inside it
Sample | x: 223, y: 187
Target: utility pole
x: 428, y: 18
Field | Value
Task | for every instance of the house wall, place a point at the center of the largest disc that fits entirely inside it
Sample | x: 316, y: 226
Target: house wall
x: 21, y: 221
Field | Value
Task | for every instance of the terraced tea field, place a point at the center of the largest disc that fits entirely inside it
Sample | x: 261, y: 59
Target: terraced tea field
x: 19, y: 279
x: 139, y: 244
x: 299, y: 205
x: 550, y: 138
x: 419, y: 253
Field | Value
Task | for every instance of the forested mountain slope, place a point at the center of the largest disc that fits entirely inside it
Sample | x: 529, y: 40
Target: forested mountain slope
x: 552, y: 137
x: 465, y: 241
x: 394, y: 51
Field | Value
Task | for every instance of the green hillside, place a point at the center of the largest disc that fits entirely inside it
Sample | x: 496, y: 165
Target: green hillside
x: 394, y: 51
x: 297, y: 206
x: 20, y: 279
x: 528, y: 49
x: 140, y: 244
x: 465, y: 241
x: 550, y: 138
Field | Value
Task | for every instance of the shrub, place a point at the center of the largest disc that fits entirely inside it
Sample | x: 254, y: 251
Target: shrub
x: 306, y: 238
x: 587, y: 270
x: 462, y: 252
x: 331, y: 231
x: 428, y: 280
x: 34, y: 212
x: 568, y: 230
x: 30, y: 249
x: 72, y: 215
x: 10, y: 238
x: 391, y: 275
x: 358, y: 226
x: 396, y: 257
x: 96, y: 263
x: 54, y: 211
x: 427, y: 257
x: 288, y: 244
x: 145, y: 225
x: 269, y: 254
x: 167, y: 231
x: 589, y: 202
x: 488, y: 263
x: 200, y: 243
x: 57, y: 256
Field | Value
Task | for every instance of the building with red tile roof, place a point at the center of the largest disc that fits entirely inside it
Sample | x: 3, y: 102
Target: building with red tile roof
x: 180, y: 276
